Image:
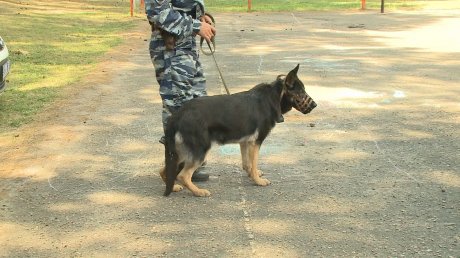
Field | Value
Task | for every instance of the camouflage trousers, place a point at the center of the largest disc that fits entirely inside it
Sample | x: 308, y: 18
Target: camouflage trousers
x: 178, y: 72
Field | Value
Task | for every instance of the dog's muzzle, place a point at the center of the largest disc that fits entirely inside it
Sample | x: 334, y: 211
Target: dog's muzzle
x: 305, y: 104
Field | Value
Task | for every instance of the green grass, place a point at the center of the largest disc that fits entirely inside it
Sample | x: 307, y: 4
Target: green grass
x: 52, y: 45
x: 305, y: 5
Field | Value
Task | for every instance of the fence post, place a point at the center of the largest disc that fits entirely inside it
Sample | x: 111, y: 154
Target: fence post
x: 363, y: 4
x: 382, y: 6
x: 131, y: 7
x: 249, y: 5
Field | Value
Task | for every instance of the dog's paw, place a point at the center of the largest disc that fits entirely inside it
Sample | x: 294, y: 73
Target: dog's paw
x: 177, y: 188
x: 261, y: 173
x: 202, y: 193
x: 262, y: 182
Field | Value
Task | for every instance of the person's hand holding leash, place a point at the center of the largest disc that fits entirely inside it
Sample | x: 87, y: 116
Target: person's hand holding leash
x: 207, y: 31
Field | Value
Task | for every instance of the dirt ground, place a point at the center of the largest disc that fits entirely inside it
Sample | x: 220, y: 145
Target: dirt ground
x: 372, y: 171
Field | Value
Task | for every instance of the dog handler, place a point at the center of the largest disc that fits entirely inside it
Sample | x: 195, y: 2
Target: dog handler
x: 175, y: 55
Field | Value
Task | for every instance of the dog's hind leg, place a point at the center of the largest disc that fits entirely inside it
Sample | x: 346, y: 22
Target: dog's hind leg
x: 176, y: 187
x: 185, y: 177
x: 254, y: 173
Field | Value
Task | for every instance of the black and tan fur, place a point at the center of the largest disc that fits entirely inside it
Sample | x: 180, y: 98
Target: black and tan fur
x: 245, y: 118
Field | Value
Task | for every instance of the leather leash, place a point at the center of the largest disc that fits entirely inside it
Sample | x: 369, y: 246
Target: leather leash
x: 211, y: 53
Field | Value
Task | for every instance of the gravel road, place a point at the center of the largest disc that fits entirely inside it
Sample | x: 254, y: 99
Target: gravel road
x: 373, y: 171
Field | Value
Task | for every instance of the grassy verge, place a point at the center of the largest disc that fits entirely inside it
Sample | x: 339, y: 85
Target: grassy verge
x: 52, y: 44
x: 306, y: 5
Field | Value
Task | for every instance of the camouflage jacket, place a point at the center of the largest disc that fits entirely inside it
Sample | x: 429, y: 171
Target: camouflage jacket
x: 178, y: 17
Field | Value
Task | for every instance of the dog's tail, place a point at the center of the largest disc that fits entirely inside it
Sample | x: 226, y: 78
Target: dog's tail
x: 171, y: 160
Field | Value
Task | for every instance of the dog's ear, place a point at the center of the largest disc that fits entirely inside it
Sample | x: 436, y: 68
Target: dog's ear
x: 292, y: 77
x: 296, y: 69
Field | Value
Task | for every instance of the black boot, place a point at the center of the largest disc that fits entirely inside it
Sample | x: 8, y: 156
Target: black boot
x: 200, y: 176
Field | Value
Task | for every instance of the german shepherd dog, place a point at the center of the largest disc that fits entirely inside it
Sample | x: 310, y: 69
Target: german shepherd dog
x: 245, y: 118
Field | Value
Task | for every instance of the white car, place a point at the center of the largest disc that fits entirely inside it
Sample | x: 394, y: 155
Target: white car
x: 4, y: 64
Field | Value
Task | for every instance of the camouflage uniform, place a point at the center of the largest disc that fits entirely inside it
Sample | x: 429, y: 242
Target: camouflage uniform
x: 178, y: 72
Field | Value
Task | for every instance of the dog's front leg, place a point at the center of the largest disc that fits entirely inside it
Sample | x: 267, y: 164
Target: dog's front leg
x: 247, y: 166
x: 245, y: 156
x: 254, y: 173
